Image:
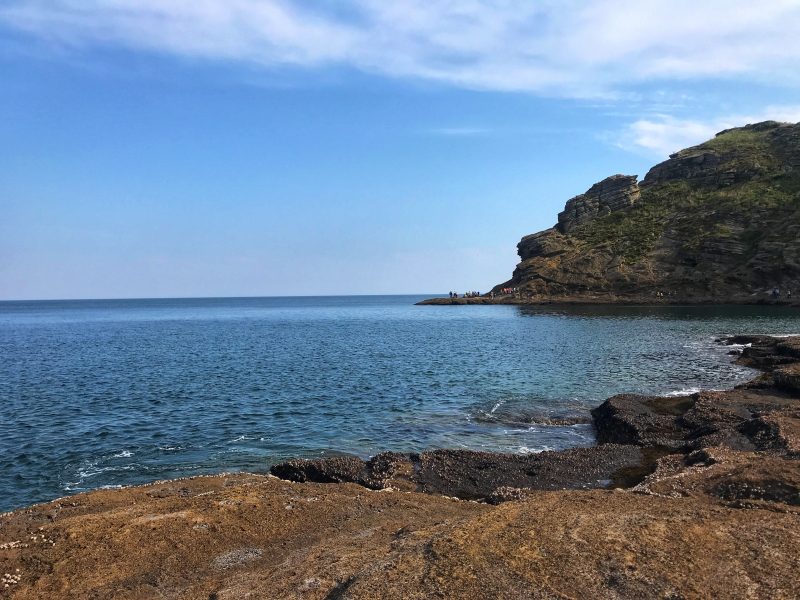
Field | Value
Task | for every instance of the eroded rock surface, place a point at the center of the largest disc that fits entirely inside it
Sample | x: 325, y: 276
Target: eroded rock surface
x: 471, y: 475
x: 721, y: 532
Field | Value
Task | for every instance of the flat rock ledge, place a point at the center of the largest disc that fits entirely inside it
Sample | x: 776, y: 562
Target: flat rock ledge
x: 472, y: 475
x: 683, y: 497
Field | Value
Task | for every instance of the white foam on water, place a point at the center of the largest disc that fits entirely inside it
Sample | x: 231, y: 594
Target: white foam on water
x: 684, y: 392
x: 691, y: 390
x: 94, y: 470
x: 123, y: 454
x: 90, y: 469
x: 526, y: 450
x: 518, y: 430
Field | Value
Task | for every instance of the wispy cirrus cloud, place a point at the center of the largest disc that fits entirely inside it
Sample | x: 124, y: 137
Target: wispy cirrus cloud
x: 569, y: 47
x: 662, y: 135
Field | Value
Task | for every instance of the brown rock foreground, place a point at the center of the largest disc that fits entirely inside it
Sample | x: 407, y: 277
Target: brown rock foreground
x: 718, y: 516
x: 251, y: 536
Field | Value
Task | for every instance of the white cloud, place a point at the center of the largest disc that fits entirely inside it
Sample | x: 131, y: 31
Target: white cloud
x: 662, y: 135
x: 573, y: 47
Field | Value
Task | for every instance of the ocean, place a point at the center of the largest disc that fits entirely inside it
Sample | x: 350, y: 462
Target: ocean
x: 116, y: 392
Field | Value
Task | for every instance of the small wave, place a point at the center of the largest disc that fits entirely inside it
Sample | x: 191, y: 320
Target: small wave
x: 683, y: 392
x: 526, y: 450
x: 93, y: 471
x: 496, y: 406
x: 123, y: 454
x: 515, y: 431
x: 689, y: 391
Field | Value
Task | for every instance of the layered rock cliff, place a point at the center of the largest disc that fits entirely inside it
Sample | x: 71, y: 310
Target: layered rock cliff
x: 613, y: 193
x: 718, y: 222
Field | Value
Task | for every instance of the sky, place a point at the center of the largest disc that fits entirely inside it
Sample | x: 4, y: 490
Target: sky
x: 181, y: 148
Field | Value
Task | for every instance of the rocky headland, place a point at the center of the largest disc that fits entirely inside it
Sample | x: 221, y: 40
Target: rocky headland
x: 695, y: 496
x: 716, y: 223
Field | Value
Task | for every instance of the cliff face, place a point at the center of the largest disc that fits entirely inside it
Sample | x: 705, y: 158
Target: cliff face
x: 613, y: 193
x: 718, y: 222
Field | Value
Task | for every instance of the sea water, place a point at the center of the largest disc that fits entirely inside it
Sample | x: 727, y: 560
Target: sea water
x: 117, y: 392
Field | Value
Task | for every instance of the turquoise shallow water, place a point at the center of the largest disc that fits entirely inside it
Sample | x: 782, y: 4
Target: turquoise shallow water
x: 105, y: 393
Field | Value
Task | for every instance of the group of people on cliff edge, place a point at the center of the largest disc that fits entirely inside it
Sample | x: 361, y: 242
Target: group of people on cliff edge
x: 776, y: 293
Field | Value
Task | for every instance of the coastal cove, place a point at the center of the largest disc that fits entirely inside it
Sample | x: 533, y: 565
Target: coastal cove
x: 111, y: 393
x: 215, y: 384
x: 720, y: 480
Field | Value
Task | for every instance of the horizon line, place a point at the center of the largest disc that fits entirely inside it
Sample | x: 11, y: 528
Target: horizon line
x: 121, y: 298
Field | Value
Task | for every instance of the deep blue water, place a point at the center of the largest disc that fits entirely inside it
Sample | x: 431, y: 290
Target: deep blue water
x: 103, y: 393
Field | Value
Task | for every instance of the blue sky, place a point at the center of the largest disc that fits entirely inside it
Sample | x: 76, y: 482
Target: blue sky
x: 157, y: 148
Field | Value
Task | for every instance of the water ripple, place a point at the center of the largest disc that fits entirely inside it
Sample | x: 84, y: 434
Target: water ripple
x: 107, y: 393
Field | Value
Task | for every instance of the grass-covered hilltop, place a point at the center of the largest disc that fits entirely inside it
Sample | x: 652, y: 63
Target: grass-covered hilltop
x: 718, y: 222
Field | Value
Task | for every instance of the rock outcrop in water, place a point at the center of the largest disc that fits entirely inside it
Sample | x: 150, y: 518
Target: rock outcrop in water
x: 716, y: 223
x: 703, y: 501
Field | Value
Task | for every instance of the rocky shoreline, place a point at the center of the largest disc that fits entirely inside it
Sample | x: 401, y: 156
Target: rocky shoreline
x: 633, y: 433
x: 604, y: 299
x: 683, y: 497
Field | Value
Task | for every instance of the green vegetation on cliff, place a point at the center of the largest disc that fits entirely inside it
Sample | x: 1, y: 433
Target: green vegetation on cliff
x: 632, y: 234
